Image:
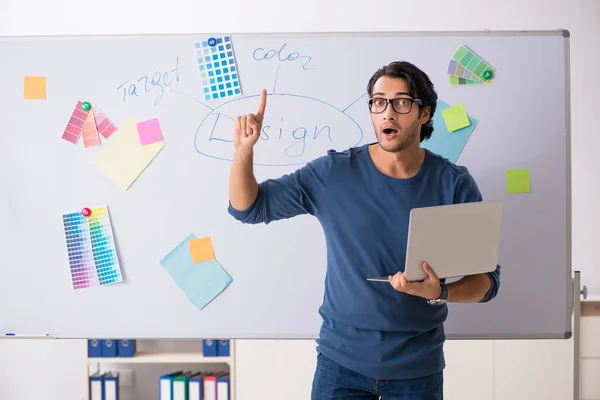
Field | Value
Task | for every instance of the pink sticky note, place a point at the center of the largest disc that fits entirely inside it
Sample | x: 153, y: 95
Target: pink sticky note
x: 149, y: 132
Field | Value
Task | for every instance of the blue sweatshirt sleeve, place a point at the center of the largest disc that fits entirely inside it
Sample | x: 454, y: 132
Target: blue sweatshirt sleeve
x: 467, y: 191
x: 297, y: 193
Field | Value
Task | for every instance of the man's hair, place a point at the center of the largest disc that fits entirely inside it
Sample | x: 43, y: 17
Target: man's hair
x: 419, y: 87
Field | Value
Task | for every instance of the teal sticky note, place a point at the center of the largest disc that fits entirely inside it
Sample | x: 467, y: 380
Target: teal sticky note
x: 201, y: 282
x: 445, y: 143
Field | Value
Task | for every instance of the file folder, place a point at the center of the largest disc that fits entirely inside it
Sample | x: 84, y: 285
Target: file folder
x: 195, y: 387
x: 165, y: 386
x: 223, y: 348
x: 94, y: 348
x: 209, y: 348
x: 96, y: 387
x: 111, y: 386
x: 210, y: 387
x: 222, y: 388
x: 109, y: 348
x: 180, y: 386
x: 126, y: 347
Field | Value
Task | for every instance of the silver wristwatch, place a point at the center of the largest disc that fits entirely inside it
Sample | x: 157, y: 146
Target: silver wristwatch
x: 443, y: 296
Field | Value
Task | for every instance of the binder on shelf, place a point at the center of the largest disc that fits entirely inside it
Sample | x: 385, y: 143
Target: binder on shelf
x: 165, y: 386
x: 111, y: 386
x: 209, y: 387
x: 209, y: 348
x: 222, y: 387
x: 195, y: 387
x: 180, y: 386
x: 109, y: 348
x: 223, y: 348
x: 96, y: 386
x: 126, y: 347
x: 94, y: 348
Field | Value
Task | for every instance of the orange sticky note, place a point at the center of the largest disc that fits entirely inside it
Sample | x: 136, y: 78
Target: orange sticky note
x: 202, y: 249
x: 35, y: 88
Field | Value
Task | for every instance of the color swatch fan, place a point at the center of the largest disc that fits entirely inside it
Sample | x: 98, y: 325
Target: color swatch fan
x: 88, y: 121
x: 467, y: 68
x: 91, y: 248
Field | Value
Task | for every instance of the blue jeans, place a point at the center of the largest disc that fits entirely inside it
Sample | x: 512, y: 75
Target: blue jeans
x: 332, y: 381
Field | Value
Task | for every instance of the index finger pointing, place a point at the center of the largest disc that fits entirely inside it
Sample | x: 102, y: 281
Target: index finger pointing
x: 262, y: 105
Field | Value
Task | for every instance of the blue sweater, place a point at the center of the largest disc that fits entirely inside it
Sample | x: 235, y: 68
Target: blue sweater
x: 369, y: 327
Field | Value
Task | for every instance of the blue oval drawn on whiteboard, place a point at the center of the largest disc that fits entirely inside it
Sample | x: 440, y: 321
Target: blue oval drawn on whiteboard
x: 296, y: 129
x: 212, y: 41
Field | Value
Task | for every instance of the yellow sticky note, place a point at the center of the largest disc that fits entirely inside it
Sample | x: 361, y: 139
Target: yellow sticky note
x: 124, y: 158
x: 34, y: 88
x: 517, y: 181
x: 201, y: 249
x: 456, y: 117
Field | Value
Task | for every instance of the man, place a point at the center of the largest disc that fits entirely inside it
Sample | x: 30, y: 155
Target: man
x: 375, y: 340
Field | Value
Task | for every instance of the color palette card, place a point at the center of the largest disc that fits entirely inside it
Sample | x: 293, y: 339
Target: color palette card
x: 89, y: 132
x: 467, y: 68
x: 91, y: 249
x: 104, y: 126
x: 75, y: 125
x: 218, y: 68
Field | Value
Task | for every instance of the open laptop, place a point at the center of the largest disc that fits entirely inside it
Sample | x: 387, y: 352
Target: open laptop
x: 455, y: 240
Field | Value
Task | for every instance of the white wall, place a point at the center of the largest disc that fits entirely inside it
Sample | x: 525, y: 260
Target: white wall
x: 483, y: 370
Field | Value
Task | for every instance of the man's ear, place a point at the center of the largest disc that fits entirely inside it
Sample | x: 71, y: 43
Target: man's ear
x: 425, y: 114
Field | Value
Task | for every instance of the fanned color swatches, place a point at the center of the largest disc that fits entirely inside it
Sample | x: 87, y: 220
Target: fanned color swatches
x: 90, y: 122
x: 467, y: 68
x: 91, y: 249
x: 103, y: 125
x: 75, y: 125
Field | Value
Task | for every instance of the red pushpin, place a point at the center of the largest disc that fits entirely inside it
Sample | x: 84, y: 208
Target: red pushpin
x: 86, y: 212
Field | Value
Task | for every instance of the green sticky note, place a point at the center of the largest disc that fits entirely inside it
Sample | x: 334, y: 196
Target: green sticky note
x: 456, y: 117
x: 517, y: 181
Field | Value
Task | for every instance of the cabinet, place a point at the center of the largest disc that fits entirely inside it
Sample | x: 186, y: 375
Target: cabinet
x: 167, y: 357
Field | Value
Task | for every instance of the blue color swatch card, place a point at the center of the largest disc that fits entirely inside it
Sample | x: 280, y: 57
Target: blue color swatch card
x: 218, y: 68
x: 201, y: 282
x: 445, y: 143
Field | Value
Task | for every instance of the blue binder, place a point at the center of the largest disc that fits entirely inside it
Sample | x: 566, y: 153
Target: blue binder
x: 195, y: 386
x: 94, y: 348
x: 223, y: 390
x: 165, y: 386
x: 126, y: 347
x: 96, y: 388
x: 111, y: 386
x: 209, y: 348
x: 109, y: 348
x: 223, y: 348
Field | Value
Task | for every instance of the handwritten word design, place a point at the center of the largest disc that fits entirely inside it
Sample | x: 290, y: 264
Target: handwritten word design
x: 296, y: 129
x: 145, y: 84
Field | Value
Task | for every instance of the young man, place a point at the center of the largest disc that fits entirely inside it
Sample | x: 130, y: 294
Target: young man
x: 375, y: 340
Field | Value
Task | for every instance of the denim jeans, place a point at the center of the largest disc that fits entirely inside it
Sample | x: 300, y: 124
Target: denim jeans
x: 332, y: 381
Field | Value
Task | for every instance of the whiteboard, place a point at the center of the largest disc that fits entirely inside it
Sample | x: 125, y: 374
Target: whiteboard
x: 316, y: 85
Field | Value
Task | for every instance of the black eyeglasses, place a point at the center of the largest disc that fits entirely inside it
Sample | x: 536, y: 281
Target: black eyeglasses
x: 401, y: 105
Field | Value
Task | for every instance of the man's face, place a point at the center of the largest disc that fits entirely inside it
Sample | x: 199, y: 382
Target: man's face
x: 396, y: 131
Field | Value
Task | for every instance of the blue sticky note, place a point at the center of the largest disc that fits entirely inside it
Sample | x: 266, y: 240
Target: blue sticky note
x: 201, y: 282
x: 445, y: 143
